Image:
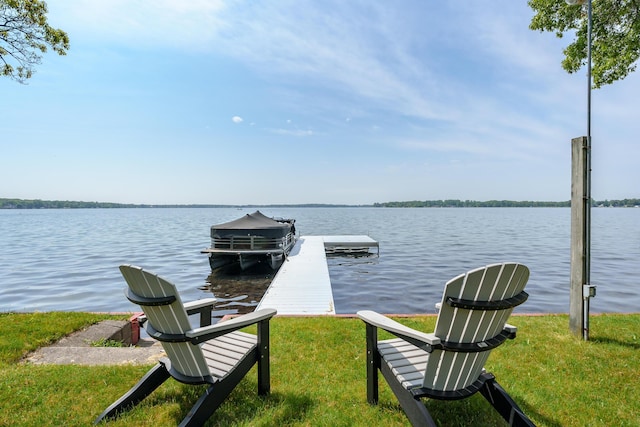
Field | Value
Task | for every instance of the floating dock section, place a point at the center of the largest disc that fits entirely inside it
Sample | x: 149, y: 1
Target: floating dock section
x: 349, y: 244
x: 302, y: 285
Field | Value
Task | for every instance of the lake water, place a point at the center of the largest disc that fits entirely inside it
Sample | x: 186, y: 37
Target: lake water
x: 68, y: 259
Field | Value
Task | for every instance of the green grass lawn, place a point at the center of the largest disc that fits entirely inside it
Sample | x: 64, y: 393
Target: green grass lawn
x: 318, y: 378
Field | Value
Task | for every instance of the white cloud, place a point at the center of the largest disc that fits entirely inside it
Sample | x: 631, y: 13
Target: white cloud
x: 236, y: 119
x: 292, y: 132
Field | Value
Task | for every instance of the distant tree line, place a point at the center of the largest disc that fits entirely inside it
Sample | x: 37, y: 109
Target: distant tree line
x: 55, y: 204
x: 452, y: 203
x: 66, y: 204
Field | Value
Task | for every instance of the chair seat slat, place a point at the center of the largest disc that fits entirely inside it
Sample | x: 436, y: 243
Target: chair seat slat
x: 216, y: 356
x: 397, y: 358
x: 399, y: 349
x: 237, y: 340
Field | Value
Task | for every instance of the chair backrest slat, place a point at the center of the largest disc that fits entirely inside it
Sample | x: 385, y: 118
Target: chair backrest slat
x: 449, y: 370
x: 172, y: 318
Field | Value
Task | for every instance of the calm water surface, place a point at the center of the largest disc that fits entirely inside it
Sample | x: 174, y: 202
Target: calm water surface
x: 68, y: 259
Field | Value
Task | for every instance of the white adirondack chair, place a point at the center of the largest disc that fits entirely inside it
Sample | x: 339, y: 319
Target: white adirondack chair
x: 448, y: 364
x: 219, y: 355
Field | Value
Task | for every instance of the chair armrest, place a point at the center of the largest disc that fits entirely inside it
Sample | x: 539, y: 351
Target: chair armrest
x: 510, y: 328
x: 206, y: 333
x: 196, y: 306
x: 142, y: 319
x: 417, y: 338
x: 202, y: 306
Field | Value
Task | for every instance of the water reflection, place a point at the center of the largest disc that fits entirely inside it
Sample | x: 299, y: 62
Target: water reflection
x: 352, y: 258
x: 238, y: 291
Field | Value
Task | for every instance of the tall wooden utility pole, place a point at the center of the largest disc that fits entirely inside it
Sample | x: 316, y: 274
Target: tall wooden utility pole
x: 581, y: 288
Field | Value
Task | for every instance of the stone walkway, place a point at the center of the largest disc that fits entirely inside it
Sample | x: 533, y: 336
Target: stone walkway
x: 77, y: 349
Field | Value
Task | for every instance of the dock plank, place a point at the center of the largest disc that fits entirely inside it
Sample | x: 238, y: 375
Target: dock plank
x: 302, y: 285
x: 348, y: 240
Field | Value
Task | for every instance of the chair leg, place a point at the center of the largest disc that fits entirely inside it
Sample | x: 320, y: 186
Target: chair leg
x: 504, y: 404
x: 373, y: 364
x: 216, y: 393
x: 263, y: 355
x: 151, y: 381
x: 413, y: 407
x: 204, y: 407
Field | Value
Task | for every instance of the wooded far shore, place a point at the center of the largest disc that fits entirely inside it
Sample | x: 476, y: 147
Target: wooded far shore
x: 66, y: 204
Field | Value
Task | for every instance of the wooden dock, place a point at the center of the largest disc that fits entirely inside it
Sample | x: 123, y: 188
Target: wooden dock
x: 302, y: 285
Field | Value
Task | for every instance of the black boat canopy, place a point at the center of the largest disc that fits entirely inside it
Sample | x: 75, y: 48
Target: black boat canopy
x: 255, y: 224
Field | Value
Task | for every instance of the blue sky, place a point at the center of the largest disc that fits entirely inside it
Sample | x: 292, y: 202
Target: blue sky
x: 356, y: 102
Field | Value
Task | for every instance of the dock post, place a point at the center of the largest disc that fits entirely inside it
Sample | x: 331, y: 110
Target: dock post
x: 581, y: 289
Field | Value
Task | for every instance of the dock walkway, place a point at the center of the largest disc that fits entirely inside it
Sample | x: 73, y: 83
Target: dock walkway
x: 302, y: 286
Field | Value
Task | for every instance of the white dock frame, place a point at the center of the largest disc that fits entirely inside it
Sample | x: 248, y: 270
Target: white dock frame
x: 302, y: 285
x: 349, y: 244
